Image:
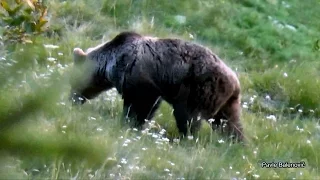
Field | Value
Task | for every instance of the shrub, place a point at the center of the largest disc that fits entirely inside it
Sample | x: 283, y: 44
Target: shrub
x: 22, y: 20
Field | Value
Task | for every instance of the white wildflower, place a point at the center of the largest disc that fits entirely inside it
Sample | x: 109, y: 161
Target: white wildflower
x: 272, y: 117
x: 90, y: 176
x: 162, y: 132
x: 292, y: 28
x: 176, y: 140
x: 255, y: 152
x: 245, y: 106
x: 145, y: 131
x: 51, y: 59
x: 92, y: 118
x: 211, y: 120
x: 35, y: 170
x: 110, y: 159
x: 152, y: 122
x: 165, y: 139
x: 268, y: 97
x: 293, y: 61
x: 123, y: 161
x: 60, y: 66
x: 252, y: 99
x: 299, y: 129
x: 256, y: 175
x: 190, y: 137
x: 155, y: 136
x: 157, y: 142
x: 51, y: 46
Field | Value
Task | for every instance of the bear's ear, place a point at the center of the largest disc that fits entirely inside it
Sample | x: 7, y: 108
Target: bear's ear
x: 79, y: 56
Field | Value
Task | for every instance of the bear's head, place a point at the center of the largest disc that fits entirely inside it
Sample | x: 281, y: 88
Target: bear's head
x: 84, y: 81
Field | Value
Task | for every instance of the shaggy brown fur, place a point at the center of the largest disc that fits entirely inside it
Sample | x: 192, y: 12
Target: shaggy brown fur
x: 146, y: 70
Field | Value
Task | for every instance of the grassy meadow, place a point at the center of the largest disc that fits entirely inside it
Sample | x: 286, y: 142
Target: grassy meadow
x: 273, y: 46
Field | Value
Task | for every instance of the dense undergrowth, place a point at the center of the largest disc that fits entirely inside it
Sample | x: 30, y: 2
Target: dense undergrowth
x: 273, y: 45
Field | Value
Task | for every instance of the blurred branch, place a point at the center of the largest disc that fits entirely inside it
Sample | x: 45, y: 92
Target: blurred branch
x: 30, y: 105
x: 29, y: 144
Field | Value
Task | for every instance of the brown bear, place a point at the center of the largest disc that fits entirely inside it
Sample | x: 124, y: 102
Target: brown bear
x: 147, y: 70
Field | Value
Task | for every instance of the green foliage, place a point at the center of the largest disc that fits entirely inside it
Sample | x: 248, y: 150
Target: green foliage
x: 290, y: 87
x: 22, y: 20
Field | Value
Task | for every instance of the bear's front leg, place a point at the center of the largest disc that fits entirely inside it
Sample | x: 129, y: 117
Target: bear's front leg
x: 137, y: 107
x: 232, y: 111
x: 195, y: 125
x: 182, y: 117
